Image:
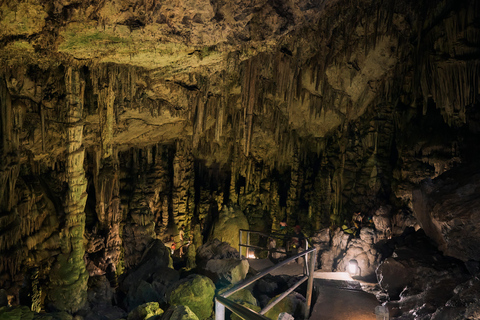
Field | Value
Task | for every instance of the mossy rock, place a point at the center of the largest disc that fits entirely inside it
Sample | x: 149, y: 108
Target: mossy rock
x: 247, y: 305
x: 16, y: 313
x: 243, y: 297
x: 240, y: 296
x: 230, y: 221
x: 196, y: 292
x: 293, y: 304
x: 62, y: 315
x: 179, y: 312
x: 227, y: 270
x: 146, y: 311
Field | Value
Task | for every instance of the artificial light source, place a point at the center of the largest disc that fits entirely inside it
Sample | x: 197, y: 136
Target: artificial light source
x: 250, y: 254
x: 353, y: 269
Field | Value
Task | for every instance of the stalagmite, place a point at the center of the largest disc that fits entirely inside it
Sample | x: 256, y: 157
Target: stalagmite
x: 68, y: 277
x: 182, y: 173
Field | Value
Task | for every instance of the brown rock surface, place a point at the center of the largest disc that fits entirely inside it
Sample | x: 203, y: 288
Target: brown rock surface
x: 448, y: 209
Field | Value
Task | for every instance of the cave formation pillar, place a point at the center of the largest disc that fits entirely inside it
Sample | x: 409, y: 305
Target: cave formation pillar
x: 292, y: 199
x: 182, y: 174
x: 68, y: 276
x: 9, y: 164
x: 107, y: 184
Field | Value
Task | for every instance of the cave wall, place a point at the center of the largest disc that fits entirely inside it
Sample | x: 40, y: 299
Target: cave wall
x: 106, y: 147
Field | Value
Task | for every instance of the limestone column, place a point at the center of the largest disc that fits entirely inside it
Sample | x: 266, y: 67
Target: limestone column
x: 68, y: 276
x: 107, y: 184
x: 182, y: 174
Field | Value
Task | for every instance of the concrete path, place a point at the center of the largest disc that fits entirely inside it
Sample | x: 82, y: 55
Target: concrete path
x: 291, y: 269
x: 338, y: 297
x: 335, y: 303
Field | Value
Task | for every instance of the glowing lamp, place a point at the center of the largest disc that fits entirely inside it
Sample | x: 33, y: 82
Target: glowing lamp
x: 251, y: 254
x: 353, y: 269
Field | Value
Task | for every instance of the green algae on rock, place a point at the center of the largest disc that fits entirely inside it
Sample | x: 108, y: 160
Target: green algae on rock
x: 146, y: 311
x: 196, y: 292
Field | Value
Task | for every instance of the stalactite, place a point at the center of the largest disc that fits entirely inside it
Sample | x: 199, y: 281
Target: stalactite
x: 198, y: 105
x: 219, y: 122
x: 249, y: 95
x: 106, y: 99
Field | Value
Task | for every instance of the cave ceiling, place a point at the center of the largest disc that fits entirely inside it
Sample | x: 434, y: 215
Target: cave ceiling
x: 257, y: 74
x: 363, y: 89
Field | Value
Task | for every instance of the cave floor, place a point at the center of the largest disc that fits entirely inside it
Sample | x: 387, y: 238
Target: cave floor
x: 339, y: 296
x: 341, y: 303
x: 291, y: 269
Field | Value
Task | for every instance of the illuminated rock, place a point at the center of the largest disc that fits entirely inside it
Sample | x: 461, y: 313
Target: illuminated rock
x: 196, y: 292
x: 179, y: 312
x: 147, y: 311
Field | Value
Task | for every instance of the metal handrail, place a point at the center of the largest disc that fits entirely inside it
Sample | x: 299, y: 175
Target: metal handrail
x: 272, y: 235
x: 242, y: 311
x: 220, y: 306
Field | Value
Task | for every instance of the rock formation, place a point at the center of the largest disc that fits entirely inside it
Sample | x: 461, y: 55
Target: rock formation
x: 123, y: 123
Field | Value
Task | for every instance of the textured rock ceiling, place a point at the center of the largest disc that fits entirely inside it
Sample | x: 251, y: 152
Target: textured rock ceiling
x: 261, y: 73
x: 122, y: 121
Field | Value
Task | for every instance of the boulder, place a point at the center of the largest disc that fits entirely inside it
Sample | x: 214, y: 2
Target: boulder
x: 215, y: 249
x: 245, y: 298
x: 16, y: 313
x: 146, y: 311
x: 418, y: 276
x: 362, y: 250
x: 465, y: 304
x: 448, y: 209
x: 196, y: 292
x: 154, y: 288
x: 222, y: 263
x: 293, y: 304
x: 230, y: 221
x: 151, y: 278
x: 105, y: 313
x: 227, y: 271
x: 393, y: 277
x: 179, y: 312
x: 270, y: 286
x: 99, y: 292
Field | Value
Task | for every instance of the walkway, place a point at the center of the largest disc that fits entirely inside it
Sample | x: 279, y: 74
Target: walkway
x: 339, y: 296
x: 335, y: 303
x: 291, y: 269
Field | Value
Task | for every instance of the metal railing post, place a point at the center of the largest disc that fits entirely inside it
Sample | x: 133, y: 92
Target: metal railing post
x: 219, y: 310
x: 306, y: 257
x: 310, y: 283
x: 248, y: 243
x: 240, y: 243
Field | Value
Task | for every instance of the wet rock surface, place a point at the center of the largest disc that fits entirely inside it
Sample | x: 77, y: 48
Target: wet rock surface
x: 447, y: 208
x: 418, y: 278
